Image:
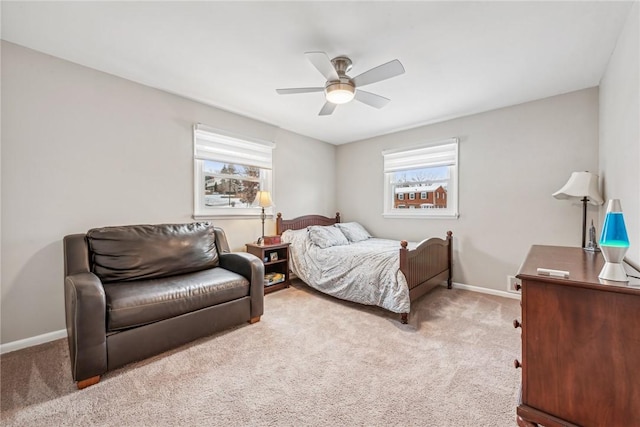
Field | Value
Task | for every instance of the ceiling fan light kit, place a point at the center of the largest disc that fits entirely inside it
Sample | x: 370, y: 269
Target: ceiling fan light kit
x: 340, y: 88
x: 338, y: 92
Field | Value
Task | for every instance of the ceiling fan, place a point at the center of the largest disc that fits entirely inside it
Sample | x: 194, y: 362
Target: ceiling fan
x: 340, y: 88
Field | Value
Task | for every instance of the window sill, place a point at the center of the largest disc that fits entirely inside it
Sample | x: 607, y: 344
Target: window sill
x: 229, y: 216
x: 420, y: 215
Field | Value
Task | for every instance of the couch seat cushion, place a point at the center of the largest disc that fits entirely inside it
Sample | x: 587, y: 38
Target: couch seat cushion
x: 131, y: 304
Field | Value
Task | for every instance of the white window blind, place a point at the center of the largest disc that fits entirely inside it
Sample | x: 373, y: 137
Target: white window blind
x: 442, y: 154
x: 214, y: 144
x: 229, y: 169
x: 427, y: 168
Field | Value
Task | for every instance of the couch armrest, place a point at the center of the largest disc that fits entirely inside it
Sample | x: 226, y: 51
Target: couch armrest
x: 221, y: 241
x: 85, y: 312
x: 252, y: 268
x: 76, y: 254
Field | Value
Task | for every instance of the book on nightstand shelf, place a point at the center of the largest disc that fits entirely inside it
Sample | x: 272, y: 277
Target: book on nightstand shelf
x: 273, y: 278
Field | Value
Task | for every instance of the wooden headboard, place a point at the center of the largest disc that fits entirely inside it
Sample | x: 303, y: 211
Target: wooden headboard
x: 303, y: 222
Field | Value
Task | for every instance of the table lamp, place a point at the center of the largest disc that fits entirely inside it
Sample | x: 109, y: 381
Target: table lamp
x: 263, y: 199
x: 614, y: 243
x: 582, y: 186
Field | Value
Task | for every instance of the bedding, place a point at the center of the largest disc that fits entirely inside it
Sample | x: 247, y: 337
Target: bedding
x: 361, y: 270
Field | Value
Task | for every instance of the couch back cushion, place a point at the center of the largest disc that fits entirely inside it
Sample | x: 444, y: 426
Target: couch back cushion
x: 134, y: 252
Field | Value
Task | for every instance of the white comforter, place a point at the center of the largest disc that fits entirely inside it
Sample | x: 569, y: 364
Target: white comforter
x: 366, y: 272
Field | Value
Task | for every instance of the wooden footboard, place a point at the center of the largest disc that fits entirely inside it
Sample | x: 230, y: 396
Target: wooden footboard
x: 427, y: 265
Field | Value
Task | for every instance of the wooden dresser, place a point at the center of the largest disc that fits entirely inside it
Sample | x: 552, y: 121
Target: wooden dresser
x: 580, y: 343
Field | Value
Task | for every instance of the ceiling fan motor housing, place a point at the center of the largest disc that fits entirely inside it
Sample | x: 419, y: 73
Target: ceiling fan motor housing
x: 342, y: 90
x: 342, y: 64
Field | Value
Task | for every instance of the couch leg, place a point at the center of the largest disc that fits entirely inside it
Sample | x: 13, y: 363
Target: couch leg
x: 404, y: 318
x: 254, y: 320
x: 89, y: 381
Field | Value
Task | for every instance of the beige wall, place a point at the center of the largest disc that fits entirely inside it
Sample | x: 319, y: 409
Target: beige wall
x: 620, y: 129
x: 511, y: 161
x: 81, y: 149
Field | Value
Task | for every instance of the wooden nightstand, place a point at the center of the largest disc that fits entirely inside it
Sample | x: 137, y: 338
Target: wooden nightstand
x: 276, y: 264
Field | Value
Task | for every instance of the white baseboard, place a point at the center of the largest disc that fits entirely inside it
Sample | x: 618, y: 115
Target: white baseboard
x: 52, y: 336
x: 482, y: 290
x: 30, y: 342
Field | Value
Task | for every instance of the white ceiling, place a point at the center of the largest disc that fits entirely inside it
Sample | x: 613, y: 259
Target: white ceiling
x: 460, y: 57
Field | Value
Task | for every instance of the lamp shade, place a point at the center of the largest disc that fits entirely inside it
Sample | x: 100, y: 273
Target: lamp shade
x: 263, y: 199
x: 580, y: 185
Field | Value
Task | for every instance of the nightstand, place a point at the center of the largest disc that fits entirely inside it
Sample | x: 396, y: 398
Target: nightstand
x: 276, y: 264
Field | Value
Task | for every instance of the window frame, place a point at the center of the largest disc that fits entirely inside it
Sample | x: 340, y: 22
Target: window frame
x: 410, y: 153
x: 238, y: 146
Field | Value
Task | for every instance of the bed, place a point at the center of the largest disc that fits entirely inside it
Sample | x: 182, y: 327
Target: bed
x: 387, y: 273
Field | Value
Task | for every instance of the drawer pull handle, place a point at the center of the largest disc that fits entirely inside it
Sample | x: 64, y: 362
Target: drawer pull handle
x: 517, y: 364
x: 517, y: 324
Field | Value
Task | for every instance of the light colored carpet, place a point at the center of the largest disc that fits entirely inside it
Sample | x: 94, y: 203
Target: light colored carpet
x: 311, y: 360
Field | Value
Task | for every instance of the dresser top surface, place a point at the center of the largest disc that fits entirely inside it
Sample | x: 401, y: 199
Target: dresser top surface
x: 583, y: 267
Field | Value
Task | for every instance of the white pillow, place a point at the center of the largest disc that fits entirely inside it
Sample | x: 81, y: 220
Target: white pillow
x: 354, y: 231
x: 291, y: 236
x: 326, y: 236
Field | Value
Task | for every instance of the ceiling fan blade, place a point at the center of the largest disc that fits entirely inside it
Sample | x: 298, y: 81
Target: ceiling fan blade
x: 291, y: 91
x: 381, y: 72
x: 371, y: 99
x: 327, y: 109
x: 321, y: 61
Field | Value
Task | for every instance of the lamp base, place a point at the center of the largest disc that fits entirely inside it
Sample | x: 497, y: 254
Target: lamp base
x: 613, y: 271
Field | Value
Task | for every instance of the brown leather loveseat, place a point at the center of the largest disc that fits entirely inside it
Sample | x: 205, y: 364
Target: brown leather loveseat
x: 135, y: 291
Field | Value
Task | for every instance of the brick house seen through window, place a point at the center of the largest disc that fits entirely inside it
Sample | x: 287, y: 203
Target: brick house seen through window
x: 430, y: 196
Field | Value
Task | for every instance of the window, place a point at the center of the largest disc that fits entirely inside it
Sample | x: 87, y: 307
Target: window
x: 429, y: 168
x: 228, y: 172
x: 400, y: 196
